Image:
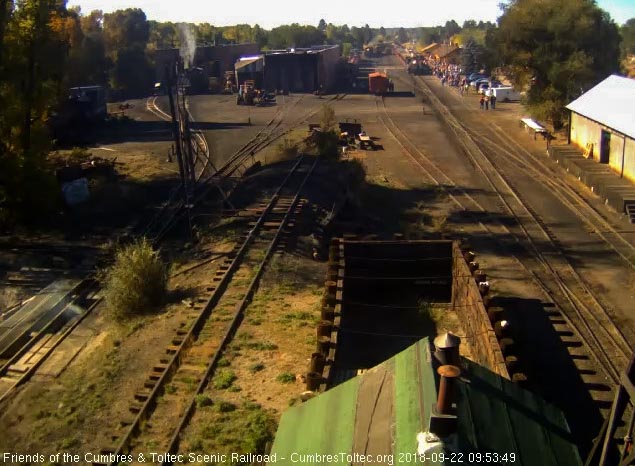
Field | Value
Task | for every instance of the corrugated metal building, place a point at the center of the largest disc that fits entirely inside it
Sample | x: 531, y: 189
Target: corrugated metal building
x: 383, y: 412
x: 603, y: 124
x: 293, y: 70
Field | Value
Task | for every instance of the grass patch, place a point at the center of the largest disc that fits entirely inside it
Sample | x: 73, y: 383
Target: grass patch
x: 286, y: 377
x: 226, y: 407
x: 170, y: 389
x: 296, y: 316
x: 261, y: 345
x: 224, y: 380
x: 233, y: 428
x: 190, y: 382
x: 223, y: 362
x: 256, y: 367
x: 69, y: 443
x: 203, y: 401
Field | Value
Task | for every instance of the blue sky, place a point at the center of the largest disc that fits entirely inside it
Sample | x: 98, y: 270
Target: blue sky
x: 407, y: 13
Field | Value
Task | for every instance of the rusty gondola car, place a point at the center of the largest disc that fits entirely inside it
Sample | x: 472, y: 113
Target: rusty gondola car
x: 378, y: 83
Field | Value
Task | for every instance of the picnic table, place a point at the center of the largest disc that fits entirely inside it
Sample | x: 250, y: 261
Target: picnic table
x: 531, y: 125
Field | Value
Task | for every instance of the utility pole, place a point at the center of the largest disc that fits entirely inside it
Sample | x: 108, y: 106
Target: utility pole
x: 176, y: 131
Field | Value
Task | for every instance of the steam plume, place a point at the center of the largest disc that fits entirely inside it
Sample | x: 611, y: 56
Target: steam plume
x: 188, y: 44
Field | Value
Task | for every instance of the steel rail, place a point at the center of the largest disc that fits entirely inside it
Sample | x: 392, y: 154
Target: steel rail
x: 174, y: 443
x: 601, y: 357
x: 192, y: 334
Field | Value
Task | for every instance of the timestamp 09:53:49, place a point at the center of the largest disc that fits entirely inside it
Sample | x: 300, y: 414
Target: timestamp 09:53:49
x: 457, y: 458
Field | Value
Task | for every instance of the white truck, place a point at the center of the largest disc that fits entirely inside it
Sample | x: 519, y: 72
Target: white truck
x: 505, y: 94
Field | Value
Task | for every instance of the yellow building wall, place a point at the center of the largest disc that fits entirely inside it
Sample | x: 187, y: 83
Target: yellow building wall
x: 616, y: 152
x: 584, y: 131
x: 629, y: 159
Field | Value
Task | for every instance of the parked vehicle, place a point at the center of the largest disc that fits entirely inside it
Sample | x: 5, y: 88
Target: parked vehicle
x: 486, y: 87
x: 506, y: 94
x: 478, y: 82
x: 475, y: 76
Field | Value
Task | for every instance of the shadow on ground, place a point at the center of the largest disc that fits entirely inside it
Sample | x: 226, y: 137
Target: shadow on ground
x: 551, y: 372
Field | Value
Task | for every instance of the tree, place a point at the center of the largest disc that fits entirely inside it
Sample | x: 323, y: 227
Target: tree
x: 322, y: 25
x: 133, y: 73
x: 628, y: 36
x: 429, y: 35
x: 162, y: 35
x: 87, y: 61
x: 556, y: 50
x: 294, y: 35
x: 126, y: 35
x: 402, y: 36
x: 382, y: 31
x: 36, y: 37
x: 125, y: 28
x: 368, y: 34
x: 358, y: 36
x: 451, y: 28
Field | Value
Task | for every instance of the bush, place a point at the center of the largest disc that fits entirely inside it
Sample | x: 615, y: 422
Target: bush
x: 286, y: 150
x: 327, y: 143
x: 137, y: 281
x: 328, y: 121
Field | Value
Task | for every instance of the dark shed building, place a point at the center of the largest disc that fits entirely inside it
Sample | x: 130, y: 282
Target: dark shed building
x: 215, y: 60
x: 294, y: 70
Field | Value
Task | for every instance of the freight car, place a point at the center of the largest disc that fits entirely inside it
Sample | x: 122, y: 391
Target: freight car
x: 379, y: 84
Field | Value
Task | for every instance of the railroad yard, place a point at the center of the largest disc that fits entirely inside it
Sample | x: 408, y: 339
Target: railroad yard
x: 215, y: 367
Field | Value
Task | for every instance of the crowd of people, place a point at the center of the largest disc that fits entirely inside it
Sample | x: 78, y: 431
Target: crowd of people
x: 453, y: 76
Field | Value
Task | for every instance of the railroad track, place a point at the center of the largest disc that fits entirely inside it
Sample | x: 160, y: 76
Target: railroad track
x: 29, y: 357
x: 275, y: 128
x: 196, y: 348
x: 42, y: 336
x: 493, y: 139
x: 559, y: 188
x: 547, y: 264
x: 556, y: 264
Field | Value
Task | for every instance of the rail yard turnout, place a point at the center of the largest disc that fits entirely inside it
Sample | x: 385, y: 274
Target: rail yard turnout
x: 380, y: 249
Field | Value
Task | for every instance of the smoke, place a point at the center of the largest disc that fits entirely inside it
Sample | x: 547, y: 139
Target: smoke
x: 188, y: 44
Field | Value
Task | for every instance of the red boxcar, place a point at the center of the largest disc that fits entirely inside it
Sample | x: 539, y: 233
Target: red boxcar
x: 378, y: 83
